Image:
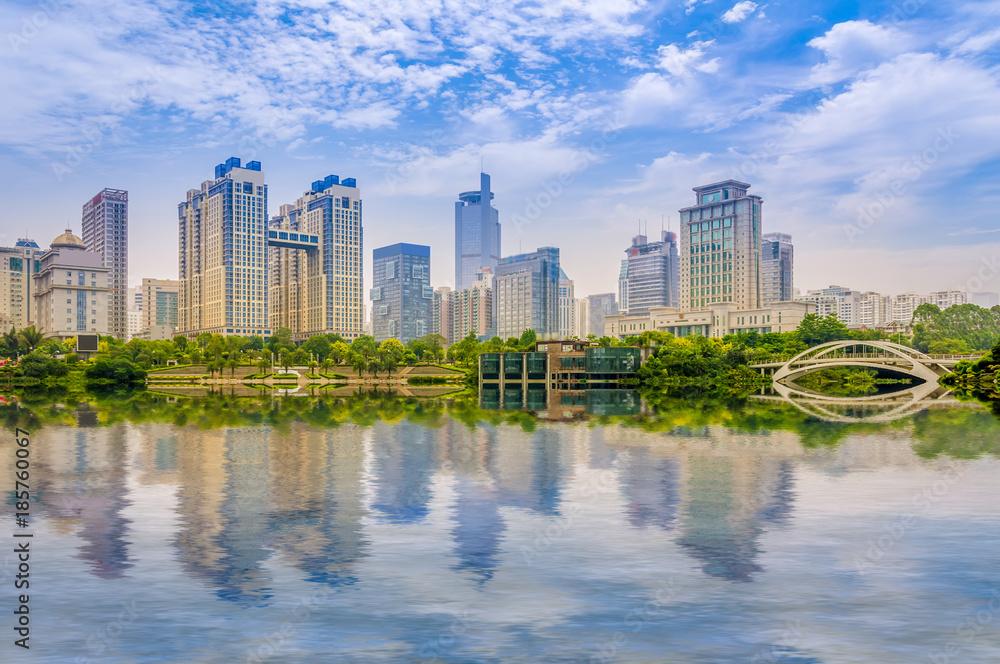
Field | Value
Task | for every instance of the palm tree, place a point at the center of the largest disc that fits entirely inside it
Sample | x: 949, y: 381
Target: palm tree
x: 263, y: 364
x: 232, y: 364
x: 12, y: 340
x: 30, y: 338
x: 327, y: 363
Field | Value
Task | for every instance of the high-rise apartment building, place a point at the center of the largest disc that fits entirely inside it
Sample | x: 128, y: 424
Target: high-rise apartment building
x: 71, y: 290
x: 720, y: 247
x: 567, y: 306
x: 472, y: 310
x: 18, y: 266
x: 601, y: 305
x: 401, y: 293
x: 222, y: 254
x: 105, y: 231
x: 441, y: 313
x: 776, y: 266
x: 315, y: 262
x: 526, y: 294
x: 874, y: 309
x: 160, y: 298
x: 477, y: 234
x: 651, y: 273
x: 844, y: 303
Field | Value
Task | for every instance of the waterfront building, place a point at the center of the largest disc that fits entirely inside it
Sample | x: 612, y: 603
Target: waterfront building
x: 526, y: 294
x: 720, y: 247
x: 401, y: 293
x: 651, y: 273
x: 776, y: 268
x: 18, y: 266
x: 558, y: 365
x: 477, y: 234
x: 71, y: 290
x: 315, y: 262
x: 567, y: 306
x: 601, y: 306
x: 105, y: 231
x: 717, y: 320
x: 222, y: 254
x: 160, y: 297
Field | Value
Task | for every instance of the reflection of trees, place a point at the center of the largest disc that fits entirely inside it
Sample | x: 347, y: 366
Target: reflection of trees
x: 668, y: 410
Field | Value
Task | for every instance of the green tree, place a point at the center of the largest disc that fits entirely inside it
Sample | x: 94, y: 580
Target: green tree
x: 339, y: 352
x: 527, y: 340
x: 181, y: 342
x: 815, y: 330
x: 390, y: 352
x: 30, y: 338
x: 318, y: 345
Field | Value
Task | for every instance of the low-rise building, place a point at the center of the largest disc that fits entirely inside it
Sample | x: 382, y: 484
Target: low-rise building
x: 71, y: 290
x: 717, y: 320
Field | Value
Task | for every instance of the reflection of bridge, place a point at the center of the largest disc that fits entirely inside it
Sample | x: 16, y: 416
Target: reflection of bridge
x: 874, y: 408
x: 868, y: 354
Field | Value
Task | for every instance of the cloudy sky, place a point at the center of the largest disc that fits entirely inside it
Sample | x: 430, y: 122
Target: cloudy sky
x: 871, y: 129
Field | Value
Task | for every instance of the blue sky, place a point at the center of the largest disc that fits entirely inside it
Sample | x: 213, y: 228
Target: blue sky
x: 871, y: 129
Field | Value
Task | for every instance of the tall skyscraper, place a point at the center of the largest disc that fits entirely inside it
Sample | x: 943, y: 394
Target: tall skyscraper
x: 477, y: 234
x: 71, y: 290
x: 402, y: 293
x: 651, y: 273
x: 222, y: 267
x: 776, y: 265
x: 600, y: 306
x: 567, y: 306
x: 18, y: 266
x: 720, y: 247
x: 105, y: 231
x: 526, y: 294
x: 316, y: 262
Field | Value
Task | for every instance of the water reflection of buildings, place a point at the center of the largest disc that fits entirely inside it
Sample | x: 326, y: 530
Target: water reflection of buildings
x: 719, y: 495
x: 80, y: 480
x: 318, y: 501
x: 403, y: 465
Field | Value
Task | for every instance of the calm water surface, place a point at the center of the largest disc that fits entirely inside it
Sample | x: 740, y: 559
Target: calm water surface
x: 436, y: 541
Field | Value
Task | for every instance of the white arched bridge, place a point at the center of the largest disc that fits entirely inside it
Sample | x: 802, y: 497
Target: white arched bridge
x: 867, y: 354
x: 923, y: 393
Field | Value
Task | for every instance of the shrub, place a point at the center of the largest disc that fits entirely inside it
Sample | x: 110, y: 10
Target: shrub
x: 118, y: 370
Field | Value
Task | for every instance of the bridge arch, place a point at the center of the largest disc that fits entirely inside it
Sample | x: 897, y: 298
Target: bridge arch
x: 871, y: 354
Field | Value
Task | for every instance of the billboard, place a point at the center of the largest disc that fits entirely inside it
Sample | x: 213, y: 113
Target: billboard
x: 86, y: 343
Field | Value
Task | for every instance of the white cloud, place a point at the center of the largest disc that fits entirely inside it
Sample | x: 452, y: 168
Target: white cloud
x: 739, y: 12
x: 682, y: 62
x: 854, y: 46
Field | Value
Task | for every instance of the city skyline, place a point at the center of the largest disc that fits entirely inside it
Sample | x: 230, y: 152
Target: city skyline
x: 863, y: 128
